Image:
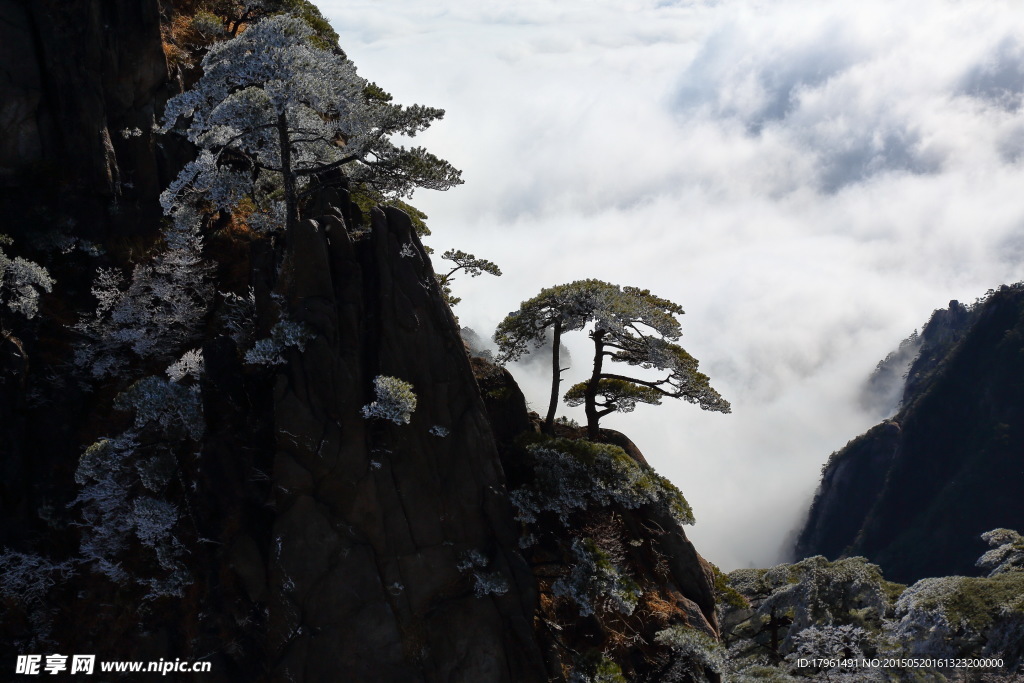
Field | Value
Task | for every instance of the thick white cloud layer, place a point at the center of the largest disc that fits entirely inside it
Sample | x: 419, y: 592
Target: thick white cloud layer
x: 809, y: 180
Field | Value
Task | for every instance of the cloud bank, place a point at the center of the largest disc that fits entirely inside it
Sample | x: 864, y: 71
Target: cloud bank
x: 809, y: 180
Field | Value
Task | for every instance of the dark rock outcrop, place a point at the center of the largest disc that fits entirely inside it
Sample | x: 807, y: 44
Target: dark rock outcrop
x: 914, y: 493
x: 324, y: 541
x: 81, y: 85
x: 645, y: 542
x: 372, y: 518
x: 850, y: 486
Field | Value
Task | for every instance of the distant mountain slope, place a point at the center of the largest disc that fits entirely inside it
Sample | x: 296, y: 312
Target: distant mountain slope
x: 914, y: 493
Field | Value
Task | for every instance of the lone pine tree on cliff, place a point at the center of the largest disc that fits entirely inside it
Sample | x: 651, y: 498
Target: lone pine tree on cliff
x: 273, y: 110
x: 562, y: 308
x: 467, y: 263
x: 630, y: 326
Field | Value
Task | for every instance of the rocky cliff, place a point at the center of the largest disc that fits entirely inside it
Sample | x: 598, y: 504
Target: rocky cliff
x: 81, y: 84
x: 914, y: 493
x: 373, y: 519
x: 602, y: 533
x: 322, y: 541
x: 209, y: 483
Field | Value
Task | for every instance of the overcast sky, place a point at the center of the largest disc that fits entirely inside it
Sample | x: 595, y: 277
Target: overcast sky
x: 809, y: 180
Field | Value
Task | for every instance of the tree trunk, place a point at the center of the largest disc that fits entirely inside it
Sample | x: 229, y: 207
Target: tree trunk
x: 590, y: 393
x: 556, y: 378
x: 291, y: 201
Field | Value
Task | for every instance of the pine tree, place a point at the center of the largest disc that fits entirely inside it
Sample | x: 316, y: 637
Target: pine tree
x: 274, y: 110
x: 630, y: 326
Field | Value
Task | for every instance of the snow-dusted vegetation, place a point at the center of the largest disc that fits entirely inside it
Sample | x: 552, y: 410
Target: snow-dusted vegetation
x: 804, y: 620
x: 21, y: 281
x: 575, y: 475
x: 395, y: 400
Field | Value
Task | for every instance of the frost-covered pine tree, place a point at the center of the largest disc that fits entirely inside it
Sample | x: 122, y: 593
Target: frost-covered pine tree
x: 563, y: 308
x: 630, y: 326
x: 635, y: 327
x: 273, y: 110
x: 468, y: 263
x: 154, y: 315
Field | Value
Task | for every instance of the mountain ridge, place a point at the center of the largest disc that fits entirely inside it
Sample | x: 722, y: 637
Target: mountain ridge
x: 914, y: 493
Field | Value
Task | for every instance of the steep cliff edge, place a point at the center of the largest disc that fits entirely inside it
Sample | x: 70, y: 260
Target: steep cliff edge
x: 914, y: 493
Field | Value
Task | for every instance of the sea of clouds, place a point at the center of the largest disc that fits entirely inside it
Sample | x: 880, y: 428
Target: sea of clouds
x: 809, y: 180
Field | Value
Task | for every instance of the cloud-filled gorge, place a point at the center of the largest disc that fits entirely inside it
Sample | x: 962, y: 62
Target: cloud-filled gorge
x: 808, y: 180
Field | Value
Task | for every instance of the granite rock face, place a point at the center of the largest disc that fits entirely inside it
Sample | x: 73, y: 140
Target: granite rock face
x: 324, y: 541
x: 374, y: 519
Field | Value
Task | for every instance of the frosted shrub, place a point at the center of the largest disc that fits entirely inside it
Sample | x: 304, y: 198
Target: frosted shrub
x: 696, y: 646
x: 596, y: 582
x: 114, y: 474
x: 484, y: 583
x: 173, y: 408
x: 958, y: 616
x: 830, y: 642
x: 395, y: 400
x: 26, y: 578
x: 823, y: 593
x: 189, y: 365
x: 923, y: 624
x: 155, y: 314
x: 153, y: 519
x: 286, y: 334
x: 747, y: 581
x: 109, y: 472
x: 812, y: 606
x: 576, y: 475
x: 20, y: 283
x: 1007, y: 554
x: 107, y: 476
